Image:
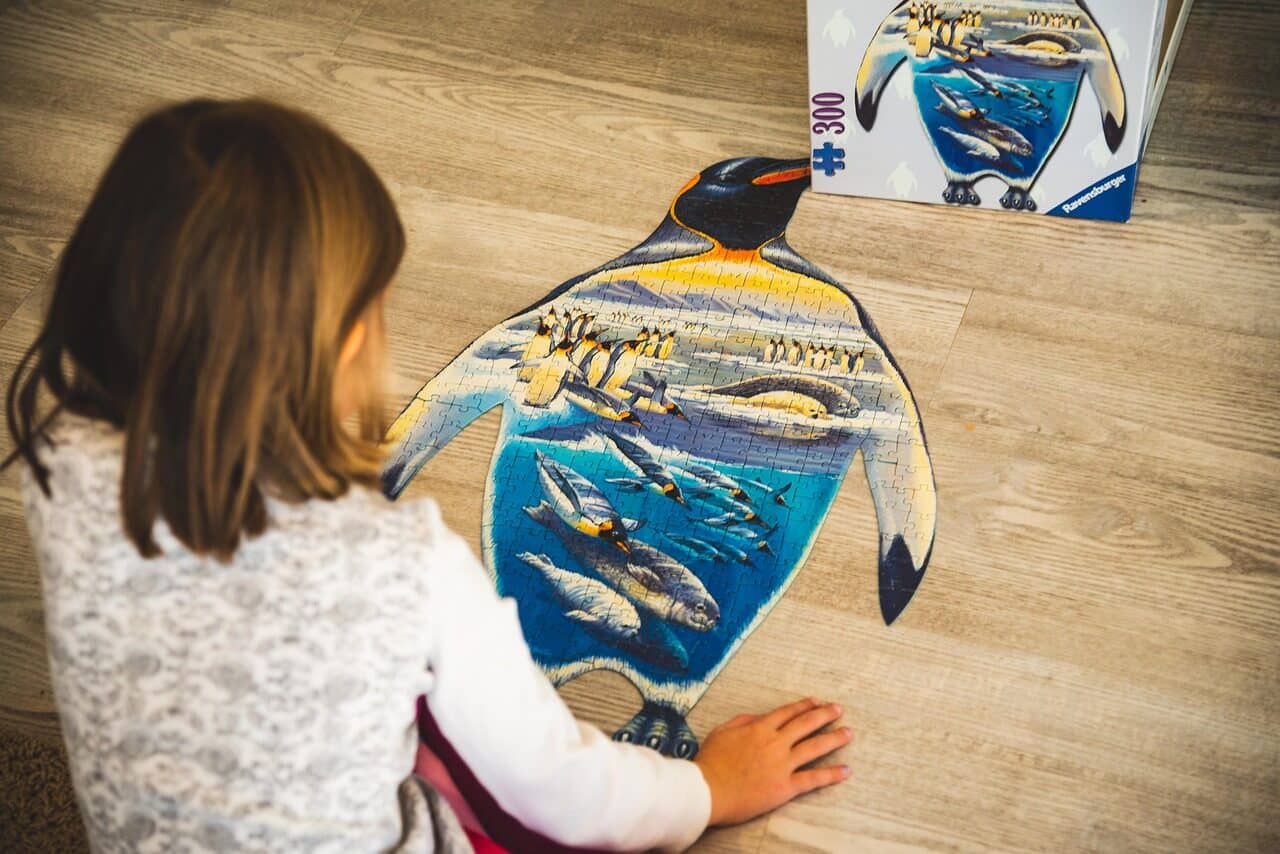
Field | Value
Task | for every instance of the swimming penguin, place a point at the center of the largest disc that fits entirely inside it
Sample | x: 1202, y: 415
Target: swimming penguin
x: 697, y: 546
x: 581, y: 504
x: 600, y: 403
x: 720, y: 252
x: 538, y: 348
x: 951, y: 101
x: 647, y: 465
x: 718, y: 479
x: 548, y: 375
x: 729, y: 520
x: 777, y: 493
x: 1017, y: 50
x: 651, y: 396
x: 622, y: 362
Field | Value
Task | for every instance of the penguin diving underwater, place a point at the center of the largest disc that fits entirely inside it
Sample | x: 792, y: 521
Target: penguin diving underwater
x: 977, y: 140
x: 718, y: 269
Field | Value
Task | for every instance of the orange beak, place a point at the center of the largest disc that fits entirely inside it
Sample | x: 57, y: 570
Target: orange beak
x: 784, y: 176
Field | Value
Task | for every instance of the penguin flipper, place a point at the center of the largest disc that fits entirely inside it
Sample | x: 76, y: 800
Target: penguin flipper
x: 900, y: 476
x: 885, y: 53
x: 1106, y: 82
x: 461, y: 392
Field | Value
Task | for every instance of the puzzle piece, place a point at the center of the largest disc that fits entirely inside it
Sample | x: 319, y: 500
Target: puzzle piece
x: 677, y: 424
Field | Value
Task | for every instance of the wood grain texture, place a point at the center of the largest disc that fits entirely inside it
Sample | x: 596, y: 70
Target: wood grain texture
x: 1092, y: 663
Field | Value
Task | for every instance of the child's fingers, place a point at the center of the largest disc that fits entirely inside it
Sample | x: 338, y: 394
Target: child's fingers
x: 737, y: 720
x: 820, y: 745
x: 817, y: 778
x: 804, y: 725
x: 782, y: 714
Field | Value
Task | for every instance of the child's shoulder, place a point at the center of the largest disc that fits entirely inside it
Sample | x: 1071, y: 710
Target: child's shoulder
x: 362, y: 515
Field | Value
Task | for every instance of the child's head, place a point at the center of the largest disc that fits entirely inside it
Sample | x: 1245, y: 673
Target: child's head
x: 220, y: 302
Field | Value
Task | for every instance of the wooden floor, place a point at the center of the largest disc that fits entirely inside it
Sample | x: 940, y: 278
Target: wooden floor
x: 1092, y: 662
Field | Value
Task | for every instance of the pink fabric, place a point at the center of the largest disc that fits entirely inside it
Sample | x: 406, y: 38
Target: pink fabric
x: 429, y: 767
x: 483, y: 844
x: 446, y: 770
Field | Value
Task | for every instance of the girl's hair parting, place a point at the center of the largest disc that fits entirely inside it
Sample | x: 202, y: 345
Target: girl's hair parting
x: 201, y: 306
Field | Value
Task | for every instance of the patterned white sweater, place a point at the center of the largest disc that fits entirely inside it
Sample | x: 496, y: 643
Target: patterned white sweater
x: 268, y: 704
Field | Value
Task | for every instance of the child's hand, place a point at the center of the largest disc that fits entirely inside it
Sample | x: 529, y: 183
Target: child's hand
x: 750, y: 762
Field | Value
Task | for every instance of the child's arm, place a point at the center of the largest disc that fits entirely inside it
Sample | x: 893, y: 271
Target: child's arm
x: 558, y: 777
x: 567, y: 780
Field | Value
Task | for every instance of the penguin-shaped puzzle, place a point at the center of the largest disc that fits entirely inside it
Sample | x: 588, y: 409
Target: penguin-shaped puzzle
x: 676, y: 424
x: 996, y: 85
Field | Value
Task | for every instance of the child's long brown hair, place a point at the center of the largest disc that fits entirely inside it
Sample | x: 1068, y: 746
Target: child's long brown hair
x: 201, y: 306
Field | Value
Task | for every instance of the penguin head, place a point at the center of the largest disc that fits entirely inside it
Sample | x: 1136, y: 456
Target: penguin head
x: 742, y: 203
x: 616, y: 534
x: 564, y: 346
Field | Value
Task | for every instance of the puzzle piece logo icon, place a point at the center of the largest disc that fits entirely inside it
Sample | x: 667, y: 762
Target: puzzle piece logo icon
x: 828, y: 159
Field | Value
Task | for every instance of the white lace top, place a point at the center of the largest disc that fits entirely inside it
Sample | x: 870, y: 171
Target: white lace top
x: 268, y: 704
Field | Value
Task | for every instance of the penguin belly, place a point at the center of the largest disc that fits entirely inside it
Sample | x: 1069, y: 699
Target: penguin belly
x: 546, y: 382
x: 1011, y: 139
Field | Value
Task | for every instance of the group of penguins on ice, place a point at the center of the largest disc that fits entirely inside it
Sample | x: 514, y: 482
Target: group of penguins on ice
x: 566, y: 356
x: 807, y: 355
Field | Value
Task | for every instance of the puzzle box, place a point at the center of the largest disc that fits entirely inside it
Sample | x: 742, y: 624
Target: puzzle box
x: 1025, y: 105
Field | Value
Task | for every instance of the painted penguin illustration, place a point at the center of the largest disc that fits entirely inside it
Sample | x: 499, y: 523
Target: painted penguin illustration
x: 719, y: 269
x: 538, y: 348
x: 580, y: 503
x: 547, y: 376
x: 622, y: 363
x: 994, y: 60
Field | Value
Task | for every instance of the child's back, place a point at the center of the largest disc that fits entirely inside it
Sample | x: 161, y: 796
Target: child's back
x: 239, y: 625
x: 266, y: 703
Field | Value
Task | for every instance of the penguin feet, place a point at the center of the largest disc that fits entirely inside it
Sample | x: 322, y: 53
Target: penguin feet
x: 960, y: 193
x: 1018, y: 200
x: 661, y: 728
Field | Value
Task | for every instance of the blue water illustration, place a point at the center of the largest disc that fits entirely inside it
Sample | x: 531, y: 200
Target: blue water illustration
x: 995, y: 86
x: 738, y: 588
x: 1022, y: 112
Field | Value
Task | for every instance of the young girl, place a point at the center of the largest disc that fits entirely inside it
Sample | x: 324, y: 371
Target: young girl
x: 239, y: 623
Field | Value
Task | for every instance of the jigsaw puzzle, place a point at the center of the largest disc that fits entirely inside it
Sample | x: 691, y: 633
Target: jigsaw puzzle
x: 995, y: 85
x: 676, y: 424
x: 984, y: 102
